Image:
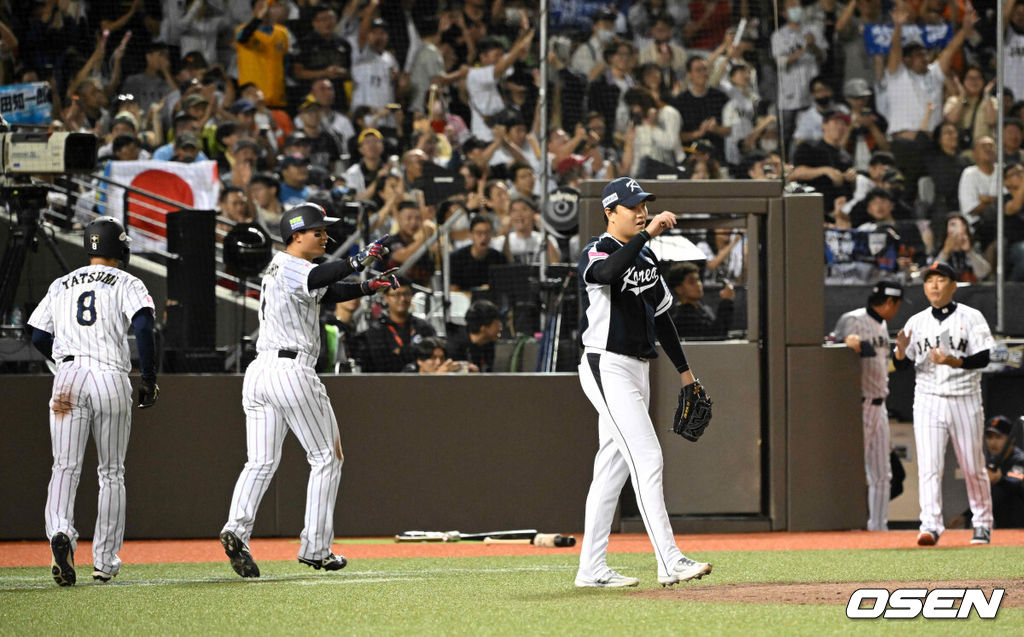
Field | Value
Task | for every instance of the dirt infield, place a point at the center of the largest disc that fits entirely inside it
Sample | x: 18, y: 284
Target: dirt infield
x: 822, y: 593
x: 35, y: 553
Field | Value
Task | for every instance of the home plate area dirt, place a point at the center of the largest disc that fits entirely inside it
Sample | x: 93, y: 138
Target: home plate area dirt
x: 822, y: 592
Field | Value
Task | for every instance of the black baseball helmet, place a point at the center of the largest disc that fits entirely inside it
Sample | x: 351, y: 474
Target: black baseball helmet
x: 247, y: 249
x: 303, y: 217
x: 105, y: 237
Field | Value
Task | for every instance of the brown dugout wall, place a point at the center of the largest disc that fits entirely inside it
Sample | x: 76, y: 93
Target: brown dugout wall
x: 510, y: 451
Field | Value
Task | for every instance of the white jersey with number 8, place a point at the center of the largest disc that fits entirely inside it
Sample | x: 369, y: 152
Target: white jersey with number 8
x: 88, y: 312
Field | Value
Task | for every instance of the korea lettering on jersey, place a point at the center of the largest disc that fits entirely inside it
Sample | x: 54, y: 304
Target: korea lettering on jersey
x: 963, y: 333
x: 289, y: 310
x: 620, y: 317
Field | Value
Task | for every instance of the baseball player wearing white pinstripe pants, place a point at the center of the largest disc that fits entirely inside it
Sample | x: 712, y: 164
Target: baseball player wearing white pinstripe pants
x: 82, y: 324
x: 865, y: 331
x: 281, y: 390
x: 625, y: 304
x: 948, y: 344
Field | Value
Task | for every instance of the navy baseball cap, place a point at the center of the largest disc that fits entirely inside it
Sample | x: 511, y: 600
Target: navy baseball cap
x: 625, y: 191
x: 999, y: 425
x: 943, y: 268
x: 304, y: 217
x: 888, y: 288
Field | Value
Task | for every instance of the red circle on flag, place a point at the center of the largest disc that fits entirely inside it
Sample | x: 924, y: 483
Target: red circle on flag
x: 141, y: 207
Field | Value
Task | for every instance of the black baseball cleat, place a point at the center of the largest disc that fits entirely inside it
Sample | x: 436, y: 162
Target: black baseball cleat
x: 103, y: 576
x: 241, y: 559
x: 928, y: 538
x: 63, y: 564
x: 982, y: 535
x: 330, y: 563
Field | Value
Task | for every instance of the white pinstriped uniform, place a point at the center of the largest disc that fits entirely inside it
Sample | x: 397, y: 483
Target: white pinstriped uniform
x: 874, y: 382
x: 88, y: 312
x: 947, y: 406
x: 279, y: 394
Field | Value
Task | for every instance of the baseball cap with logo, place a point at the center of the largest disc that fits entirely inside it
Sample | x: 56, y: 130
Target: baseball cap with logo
x: 888, y: 288
x: 624, y: 191
x: 941, y: 268
x: 304, y: 217
x: 999, y: 425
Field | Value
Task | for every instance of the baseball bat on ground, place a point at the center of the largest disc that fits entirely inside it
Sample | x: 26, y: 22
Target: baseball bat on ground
x: 547, y: 540
x: 456, y: 536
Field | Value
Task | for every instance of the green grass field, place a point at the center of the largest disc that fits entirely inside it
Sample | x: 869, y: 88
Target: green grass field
x: 530, y: 595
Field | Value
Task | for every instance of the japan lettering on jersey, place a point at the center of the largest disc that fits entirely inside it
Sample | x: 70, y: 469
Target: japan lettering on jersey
x: 874, y: 342
x: 88, y: 311
x: 963, y: 332
x: 289, y: 310
x: 620, y: 317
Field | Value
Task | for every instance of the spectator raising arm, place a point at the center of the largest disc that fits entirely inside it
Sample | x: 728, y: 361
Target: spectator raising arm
x: 519, y: 48
x: 114, y: 25
x: 900, y: 15
x: 945, y: 58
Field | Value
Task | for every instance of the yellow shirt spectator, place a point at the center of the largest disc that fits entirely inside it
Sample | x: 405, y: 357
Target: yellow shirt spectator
x: 261, y: 60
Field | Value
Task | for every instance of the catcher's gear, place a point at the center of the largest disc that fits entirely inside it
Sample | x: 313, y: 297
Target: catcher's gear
x: 693, y: 414
x: 383, y: 281
x: 370, y: 254
x: 148, y: 393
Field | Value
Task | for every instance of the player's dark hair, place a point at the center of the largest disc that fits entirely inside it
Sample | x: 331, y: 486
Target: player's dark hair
x: 477, y: 220
x: 481, y: 314
x: 678, y: 273
x: 665, y: 18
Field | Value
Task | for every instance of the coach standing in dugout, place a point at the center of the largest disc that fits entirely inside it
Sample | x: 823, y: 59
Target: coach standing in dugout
x: 948, y: 344
x: 864, y: 330
x: 625, y: 304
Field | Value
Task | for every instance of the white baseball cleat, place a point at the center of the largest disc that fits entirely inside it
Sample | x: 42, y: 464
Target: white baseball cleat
x: 611, y: 579
x: 684, y: 570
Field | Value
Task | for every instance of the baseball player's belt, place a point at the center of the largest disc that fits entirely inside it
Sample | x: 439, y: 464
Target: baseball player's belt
x: 286, y: 353
x: 874, y: 401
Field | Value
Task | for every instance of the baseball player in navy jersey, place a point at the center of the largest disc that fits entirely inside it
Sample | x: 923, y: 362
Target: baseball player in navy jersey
x: 864, y: 330
x: 625, y: 306
x: 82, y: 324
x: 281, y: 390
x: 948, y: 344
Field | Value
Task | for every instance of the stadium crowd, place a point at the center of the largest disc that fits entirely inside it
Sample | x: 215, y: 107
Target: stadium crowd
x: 886, y: 108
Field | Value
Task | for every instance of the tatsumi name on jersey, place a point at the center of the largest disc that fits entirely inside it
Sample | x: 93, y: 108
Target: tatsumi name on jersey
x: 90, y: 277
x: 639, y: 280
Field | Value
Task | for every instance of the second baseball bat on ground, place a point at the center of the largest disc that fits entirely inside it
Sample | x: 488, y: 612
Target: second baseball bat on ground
x: 548, y: 540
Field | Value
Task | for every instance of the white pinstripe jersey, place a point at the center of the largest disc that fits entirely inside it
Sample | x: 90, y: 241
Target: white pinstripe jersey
x: 289, y: 310
x: 962, y: 333
x: 874, y: 369
x: 88, y: 312
x: 371, y: 78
